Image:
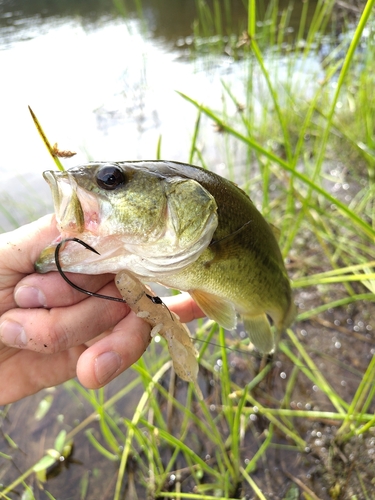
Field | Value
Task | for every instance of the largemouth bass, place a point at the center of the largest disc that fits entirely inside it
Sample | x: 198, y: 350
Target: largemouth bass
x: 181, y: 226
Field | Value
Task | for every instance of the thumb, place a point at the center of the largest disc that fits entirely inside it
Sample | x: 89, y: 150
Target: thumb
x: 19, y: 249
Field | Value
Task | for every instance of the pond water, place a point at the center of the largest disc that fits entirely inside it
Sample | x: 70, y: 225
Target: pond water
x: 102, y: 85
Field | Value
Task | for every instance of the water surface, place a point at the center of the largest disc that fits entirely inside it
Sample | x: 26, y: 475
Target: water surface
x: 103, y: 85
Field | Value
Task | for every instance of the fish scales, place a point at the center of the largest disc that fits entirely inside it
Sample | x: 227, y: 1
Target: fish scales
x: 182, y: 226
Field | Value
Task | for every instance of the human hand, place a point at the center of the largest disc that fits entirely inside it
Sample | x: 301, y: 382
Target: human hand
x: 50, y: 332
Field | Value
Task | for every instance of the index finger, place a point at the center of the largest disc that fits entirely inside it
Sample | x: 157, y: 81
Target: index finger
x: 184, y: 306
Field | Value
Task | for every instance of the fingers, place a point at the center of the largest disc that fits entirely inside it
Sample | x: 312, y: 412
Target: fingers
x: 50, y: 331
x: 113, y: 354
x: 184, y: 306
x: 60, y: 335
x: 59, y: 328
x: 20, y: 248
x: 50, y: 290
x: 27, y: 372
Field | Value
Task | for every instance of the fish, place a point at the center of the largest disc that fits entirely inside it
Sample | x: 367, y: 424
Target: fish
x: 179, y: 225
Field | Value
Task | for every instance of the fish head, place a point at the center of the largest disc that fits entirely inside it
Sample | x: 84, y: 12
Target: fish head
x: 134, y: 215
x: 107, y: 199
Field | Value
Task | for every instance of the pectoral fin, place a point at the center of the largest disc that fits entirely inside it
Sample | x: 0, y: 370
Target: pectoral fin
x: 216, y: 308
x: 259, y: 331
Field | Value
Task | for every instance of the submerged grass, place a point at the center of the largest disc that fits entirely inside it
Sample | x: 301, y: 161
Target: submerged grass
x: 302, y: 145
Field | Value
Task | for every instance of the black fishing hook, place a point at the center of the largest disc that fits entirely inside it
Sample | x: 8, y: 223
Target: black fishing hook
x: 154, y: 300
x: 63, y: 275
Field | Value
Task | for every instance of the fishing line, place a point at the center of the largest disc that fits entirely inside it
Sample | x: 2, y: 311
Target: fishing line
x: 228, y: 348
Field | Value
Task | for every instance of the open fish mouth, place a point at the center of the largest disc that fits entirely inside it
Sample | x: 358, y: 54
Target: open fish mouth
x: 76, y: 210
x: 77, y: 215
x: 68, y: 208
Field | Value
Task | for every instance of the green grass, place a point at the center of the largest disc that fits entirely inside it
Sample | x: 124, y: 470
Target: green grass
x: 220, y: 448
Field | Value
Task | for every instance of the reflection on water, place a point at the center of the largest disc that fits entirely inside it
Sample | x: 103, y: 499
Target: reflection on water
x: 100, y: 83
x: 165, y: 19
x: 104, y: 85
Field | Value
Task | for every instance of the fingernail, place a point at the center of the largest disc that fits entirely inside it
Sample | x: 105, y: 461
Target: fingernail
x: 29, y: 296
x: 106, y: 365
x: 13, y: 334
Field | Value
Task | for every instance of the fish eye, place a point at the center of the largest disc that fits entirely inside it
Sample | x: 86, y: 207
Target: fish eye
x: 110, y: 177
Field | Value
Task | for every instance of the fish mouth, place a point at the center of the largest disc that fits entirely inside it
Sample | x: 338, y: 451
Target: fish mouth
x: 77, y: 214
x: 68, y: 209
